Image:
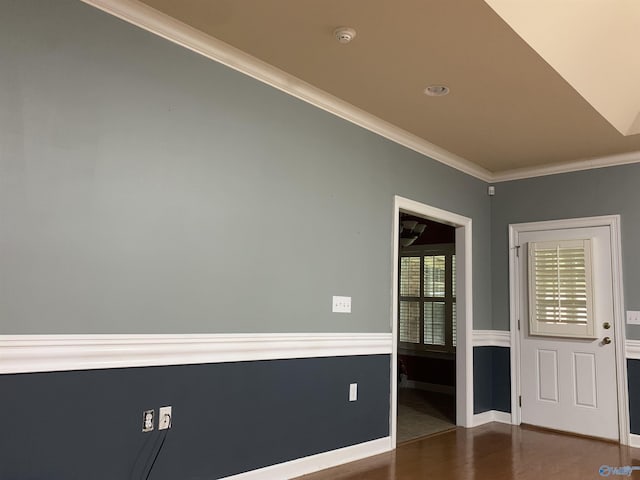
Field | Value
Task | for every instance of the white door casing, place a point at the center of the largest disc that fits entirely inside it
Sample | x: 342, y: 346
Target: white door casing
x: 572, y: 384
x: 464, y: 300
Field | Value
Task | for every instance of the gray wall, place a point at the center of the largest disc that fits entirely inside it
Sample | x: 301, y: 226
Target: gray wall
x: 146, y: 189
x: 603, y: 191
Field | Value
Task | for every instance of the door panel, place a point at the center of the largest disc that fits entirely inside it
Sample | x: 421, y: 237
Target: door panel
x: 548, y: 375
x: 570, y: 383
x: 584, y: 378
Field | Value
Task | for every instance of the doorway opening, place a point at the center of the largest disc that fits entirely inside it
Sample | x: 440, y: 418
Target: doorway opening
x: 431, y: 371
x: 427, y: 327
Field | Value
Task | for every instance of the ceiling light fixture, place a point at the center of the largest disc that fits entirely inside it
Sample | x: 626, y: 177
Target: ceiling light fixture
x: 436, y: 90
x: 410, y: 230
x: 344, y: 34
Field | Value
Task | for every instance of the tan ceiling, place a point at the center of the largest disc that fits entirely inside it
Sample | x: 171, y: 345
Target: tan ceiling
x: 507, y: 107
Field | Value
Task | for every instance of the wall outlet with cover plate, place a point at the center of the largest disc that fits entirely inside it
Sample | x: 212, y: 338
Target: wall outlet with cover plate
x: 164, y: 418
x: 147, y: 420
x: 353, y: 392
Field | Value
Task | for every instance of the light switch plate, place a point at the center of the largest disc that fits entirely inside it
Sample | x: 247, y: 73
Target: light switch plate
x: 341, y: 304
x: 633, y: 317
x: 353, y: 392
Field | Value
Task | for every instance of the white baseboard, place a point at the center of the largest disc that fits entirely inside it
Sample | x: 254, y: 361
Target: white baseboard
x: 491, y: 416
x: 428, y: 387
x: 634, y: 440
x: 315, y: 463
x: 48, y: 353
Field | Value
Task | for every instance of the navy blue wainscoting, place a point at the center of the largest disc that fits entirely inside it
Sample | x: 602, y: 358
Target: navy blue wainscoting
x: 227, y: 417
x: 633, y: 374
x: 491, y: 379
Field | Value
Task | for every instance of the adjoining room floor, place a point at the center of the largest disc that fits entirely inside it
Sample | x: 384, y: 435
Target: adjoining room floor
x: 492, y: 451
x: 423, y: 413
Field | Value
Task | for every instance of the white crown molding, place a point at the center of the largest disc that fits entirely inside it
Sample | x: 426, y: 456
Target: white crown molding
x: 315, y: 463
x: 156, y: 22
x: 567, y: 167
x: 632, y: 349
x: 491, y: 338
x: 169, y: 28
x: 47, y: 353
x: 491, y: 416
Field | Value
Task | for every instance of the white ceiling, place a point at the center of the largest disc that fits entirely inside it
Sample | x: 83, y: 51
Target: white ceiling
x: 592, y: 44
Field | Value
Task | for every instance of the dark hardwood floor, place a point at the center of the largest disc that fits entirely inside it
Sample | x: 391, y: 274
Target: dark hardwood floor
x: 493, y: 451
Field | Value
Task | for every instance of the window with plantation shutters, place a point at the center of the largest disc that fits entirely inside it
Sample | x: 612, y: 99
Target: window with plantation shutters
x: 560, y: 289
x: 427, y: 300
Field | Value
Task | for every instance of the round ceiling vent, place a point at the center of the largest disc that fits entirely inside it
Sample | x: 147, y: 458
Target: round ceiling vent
x: 344, y: 34
x: 436, y: 90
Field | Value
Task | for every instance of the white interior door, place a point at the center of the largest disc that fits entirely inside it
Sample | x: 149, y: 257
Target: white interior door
x: 568, y: 371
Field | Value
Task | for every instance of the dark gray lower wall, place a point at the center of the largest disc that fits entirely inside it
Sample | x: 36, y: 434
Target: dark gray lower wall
x: 633, y: 375
x: 482, y: 379
x: 491, y: 379
x: 227, y: 418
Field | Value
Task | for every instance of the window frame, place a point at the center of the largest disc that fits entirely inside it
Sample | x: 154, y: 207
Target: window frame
x: 449, y: 299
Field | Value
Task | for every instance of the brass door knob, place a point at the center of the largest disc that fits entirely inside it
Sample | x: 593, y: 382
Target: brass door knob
x: 606, y: 340
x: 606, y: 325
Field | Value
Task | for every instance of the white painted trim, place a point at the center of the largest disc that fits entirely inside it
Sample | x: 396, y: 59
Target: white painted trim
x: 47, y: 353
x: 502, y: 417
x: 464, y: 351
x: 315, y: 463
x: 491, y: 338
x: 613, y: 223
x: 491, y: 416
x: 428, y: 387
x: 154, y: 21
x: 567, y: 167
x: 634, y: 440
x: 632, y: 349
x: 147, y: 18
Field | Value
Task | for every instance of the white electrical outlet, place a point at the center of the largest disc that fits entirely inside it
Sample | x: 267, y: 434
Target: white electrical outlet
x: 341, y: 304
x: 633, y: 317
x: 147, y: 420
x: 164, y: 418
x: 353, y: 392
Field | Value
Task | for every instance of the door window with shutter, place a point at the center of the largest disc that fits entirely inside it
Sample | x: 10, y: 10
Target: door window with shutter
x: 560, y: 289
x: 427, y: 303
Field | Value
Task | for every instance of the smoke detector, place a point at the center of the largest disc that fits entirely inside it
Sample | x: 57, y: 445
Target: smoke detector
x: 344, y: 34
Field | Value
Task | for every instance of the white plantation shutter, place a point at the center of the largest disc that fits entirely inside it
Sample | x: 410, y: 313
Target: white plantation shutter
x: 410, y: 269
x: 410, y: 276
x: 426, y: 304
x: 410, y: 322
x: 434, y: 323
x: 560, y: 288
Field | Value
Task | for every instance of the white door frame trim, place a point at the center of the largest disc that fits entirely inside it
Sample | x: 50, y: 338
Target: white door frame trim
x: 464, y: 350
x: 613, y: 223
